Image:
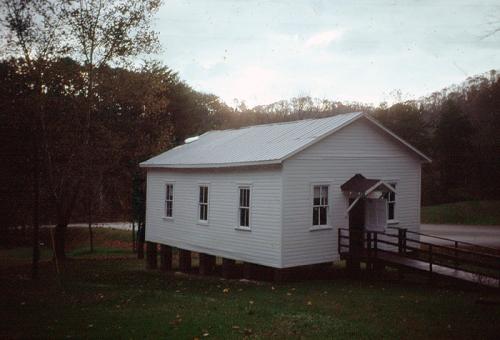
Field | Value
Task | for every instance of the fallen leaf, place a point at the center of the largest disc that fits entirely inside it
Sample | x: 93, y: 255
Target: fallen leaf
x: 309, y: 303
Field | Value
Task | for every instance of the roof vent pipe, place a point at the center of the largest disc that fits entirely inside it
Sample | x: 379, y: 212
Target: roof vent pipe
x: 191, y: 139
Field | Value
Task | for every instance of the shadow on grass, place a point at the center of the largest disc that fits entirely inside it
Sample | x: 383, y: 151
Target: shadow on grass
x: 82, y: 252
x: 117, y: 298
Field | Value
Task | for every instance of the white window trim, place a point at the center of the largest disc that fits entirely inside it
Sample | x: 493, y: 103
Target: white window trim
x: 207, y: 221
x: 328, y: 225
x: 250, y: 207
x: 395, y: 219
x: 165, y: 183
x: 243, y: 228
x: 320, y: 227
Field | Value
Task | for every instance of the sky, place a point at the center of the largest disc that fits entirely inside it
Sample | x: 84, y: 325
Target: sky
x: 264, y: 51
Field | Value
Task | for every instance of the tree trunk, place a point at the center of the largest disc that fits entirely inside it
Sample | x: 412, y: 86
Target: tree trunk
x: 140, y: 241
x: 36, y: 208
x: 36, y: 211
x: 91, y: 235
x: 59, y: 241
x: 134, y: 248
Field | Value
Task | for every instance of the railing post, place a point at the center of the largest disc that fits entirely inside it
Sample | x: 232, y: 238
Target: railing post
x: 402, y: 240
x: 375, y: 245
x: 456, y: 254
x: 498, y: 263
x: 369, y: 262
x: 338, y: 240
x: 430, y: 258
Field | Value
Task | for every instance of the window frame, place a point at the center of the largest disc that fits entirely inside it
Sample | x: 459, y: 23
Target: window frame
x: 239, y: 207
x: 328, y: 224
x: 394, y: 183
x: 207, y: 204
x: 166, y: 200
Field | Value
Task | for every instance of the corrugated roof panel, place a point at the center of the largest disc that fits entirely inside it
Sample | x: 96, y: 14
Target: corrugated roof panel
x: 269, y: 143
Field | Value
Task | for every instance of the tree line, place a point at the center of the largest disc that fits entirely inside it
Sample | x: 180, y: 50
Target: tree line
x: 78, y: 113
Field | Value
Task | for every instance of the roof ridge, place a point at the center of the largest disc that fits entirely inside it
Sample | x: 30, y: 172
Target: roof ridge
x: 260, y: 144
x: 287, y: 122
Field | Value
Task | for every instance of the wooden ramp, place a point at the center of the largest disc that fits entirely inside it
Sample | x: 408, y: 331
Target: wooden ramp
x: 465, y: 262
x: 395, y: 259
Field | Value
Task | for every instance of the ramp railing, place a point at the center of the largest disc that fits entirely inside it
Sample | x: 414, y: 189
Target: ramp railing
x: 462, y: 256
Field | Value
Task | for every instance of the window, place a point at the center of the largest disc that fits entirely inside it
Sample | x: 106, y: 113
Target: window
x: 391, y: 203
x: 320, y: 205
x: 203, y: 203
x: 169, y: 200
x: 244, y: 207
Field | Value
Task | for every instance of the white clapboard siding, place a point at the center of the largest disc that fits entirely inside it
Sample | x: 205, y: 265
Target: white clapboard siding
x: 261, y: 245
x: 357, y: 148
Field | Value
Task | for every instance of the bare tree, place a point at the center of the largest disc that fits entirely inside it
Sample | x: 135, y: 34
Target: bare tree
x: 104, y: 32
x: 96, y: 33
x: 31, y: 33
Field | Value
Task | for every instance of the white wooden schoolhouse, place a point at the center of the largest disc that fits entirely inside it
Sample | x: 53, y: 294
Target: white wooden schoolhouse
x: 275, y: 194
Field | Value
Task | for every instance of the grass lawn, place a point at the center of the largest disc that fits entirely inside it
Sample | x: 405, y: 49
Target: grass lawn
x: 470, y: 212
x: 109, y: 294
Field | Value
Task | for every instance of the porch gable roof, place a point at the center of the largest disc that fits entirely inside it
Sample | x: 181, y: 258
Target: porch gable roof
x: 361, y: 185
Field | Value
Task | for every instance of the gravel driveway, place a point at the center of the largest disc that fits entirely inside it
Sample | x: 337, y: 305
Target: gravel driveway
x: 485, y: 235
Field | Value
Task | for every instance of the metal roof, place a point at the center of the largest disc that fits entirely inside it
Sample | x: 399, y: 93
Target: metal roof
x: 253, y: 145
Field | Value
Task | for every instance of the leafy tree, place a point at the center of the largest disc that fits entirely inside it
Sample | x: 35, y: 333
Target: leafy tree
x: 407, y: 121
x: 16, y: 148
x: 453, y: 142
